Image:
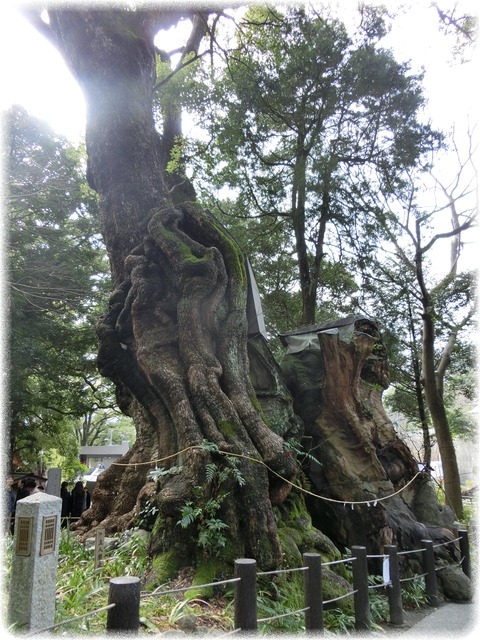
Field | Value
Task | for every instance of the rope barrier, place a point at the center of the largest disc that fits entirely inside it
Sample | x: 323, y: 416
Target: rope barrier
x: 69, y: 621
x: 345, y: 595
x: 417, y: 575
x: 371, y: 501
x: 440, y: 568
x: 343, y: 561
x: 404, y: 553
x: 379, y: 586
x: 269, y: 573
x: 183, y: 589
x: 444, y: 544
x: 283, y: 615
x: 266, y: 573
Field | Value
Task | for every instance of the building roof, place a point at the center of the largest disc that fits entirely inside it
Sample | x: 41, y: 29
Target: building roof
x: 298, y: 339
x: 107, y: 450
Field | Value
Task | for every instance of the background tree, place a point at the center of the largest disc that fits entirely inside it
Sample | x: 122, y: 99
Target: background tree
x: 392, y: 288
x: 103, y: 423
x: 57, y: 273
x: 299, y: 106
x: 463, y: 25
x: 441, y: 306
x: 174, y: 68
x: 268, y: 243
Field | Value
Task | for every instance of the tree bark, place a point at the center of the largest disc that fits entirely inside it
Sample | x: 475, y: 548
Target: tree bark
x: 419, y: 392
x: 298, y: 220
x: 174, y: 339
x: 436, y: 406
x: 433, y: 395
x: 355, y: 455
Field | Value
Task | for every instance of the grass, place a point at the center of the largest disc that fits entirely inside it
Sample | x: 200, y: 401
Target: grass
x: 83, y: 589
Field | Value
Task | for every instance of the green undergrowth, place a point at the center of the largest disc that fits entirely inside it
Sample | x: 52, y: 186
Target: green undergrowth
x: 82, y: 589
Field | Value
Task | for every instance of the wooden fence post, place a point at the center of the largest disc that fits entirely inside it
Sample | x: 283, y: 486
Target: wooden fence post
x: 99, y: 548
x: 394, y: 589
x: 360, y: 584
x: 313, y: 592
x: 431, y: 575
x: 246, y: 595
x: 124, y: 592
x: 465, y: 552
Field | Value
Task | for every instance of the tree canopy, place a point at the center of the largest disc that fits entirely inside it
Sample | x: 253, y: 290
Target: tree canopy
x: 57, y: 276
x: 301, y: 111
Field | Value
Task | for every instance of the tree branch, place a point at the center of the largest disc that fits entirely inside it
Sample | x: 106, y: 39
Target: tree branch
x: 448, y: 234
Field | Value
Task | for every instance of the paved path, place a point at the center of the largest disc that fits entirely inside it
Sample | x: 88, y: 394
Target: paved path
x: 449, y: 621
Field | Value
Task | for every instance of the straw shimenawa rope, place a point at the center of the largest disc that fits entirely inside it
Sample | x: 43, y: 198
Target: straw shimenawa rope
x: 296, y: 486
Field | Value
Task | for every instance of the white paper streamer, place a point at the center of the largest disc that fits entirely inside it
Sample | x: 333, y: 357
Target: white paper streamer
x: 386, y: 569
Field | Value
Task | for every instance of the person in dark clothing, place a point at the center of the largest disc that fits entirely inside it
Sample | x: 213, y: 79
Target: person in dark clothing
x: 22, y: 491
x: 31, y: 486
x: 78, y: 500
x: 66, y: 500
x: 9, y: 505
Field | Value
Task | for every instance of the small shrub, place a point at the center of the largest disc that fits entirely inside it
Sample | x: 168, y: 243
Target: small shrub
x: 337, y: 621
x: 379, y: 608
x: 413, y: 593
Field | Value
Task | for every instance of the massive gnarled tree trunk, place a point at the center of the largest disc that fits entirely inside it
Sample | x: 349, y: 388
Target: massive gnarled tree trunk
x: 174, y: 339
x: 175, y: 342
x: 368, y: 487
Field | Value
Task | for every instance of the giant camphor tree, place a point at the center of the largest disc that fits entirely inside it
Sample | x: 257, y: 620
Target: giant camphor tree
x: 174, y: 340
x: 209, y: 403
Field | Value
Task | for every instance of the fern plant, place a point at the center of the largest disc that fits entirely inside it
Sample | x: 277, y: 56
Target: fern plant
x: 203, y: 510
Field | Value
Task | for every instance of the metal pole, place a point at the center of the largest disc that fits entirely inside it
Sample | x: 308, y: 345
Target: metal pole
x: 360, y: 584
x: 431, y: 575
x: 394, y: 589
x: 246, y: 595
x: 313, y: 592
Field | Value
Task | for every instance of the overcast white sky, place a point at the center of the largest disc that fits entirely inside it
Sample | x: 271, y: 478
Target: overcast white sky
x: 35, y: 76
